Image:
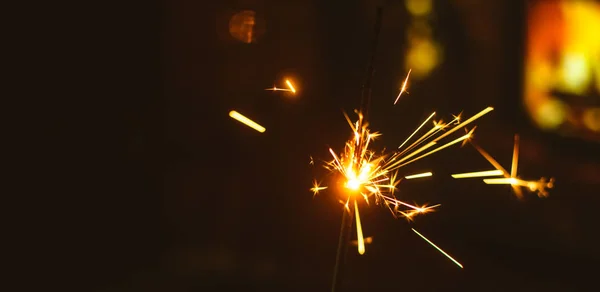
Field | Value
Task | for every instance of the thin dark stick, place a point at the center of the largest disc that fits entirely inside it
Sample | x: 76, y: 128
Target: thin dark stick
x: 366, y: 90
x: 347, y: 217
x: 340, y: 257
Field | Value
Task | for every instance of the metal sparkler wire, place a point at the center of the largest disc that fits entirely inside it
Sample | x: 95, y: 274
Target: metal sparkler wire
x: 347, y: 215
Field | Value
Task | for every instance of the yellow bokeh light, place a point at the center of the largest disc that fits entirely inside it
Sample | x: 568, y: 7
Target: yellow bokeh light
x: 422, y: 57
x: 551, y: 114
x: 576, y: 73
x: 419, y: 7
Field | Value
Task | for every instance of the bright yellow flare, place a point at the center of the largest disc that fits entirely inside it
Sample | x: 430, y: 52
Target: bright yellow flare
x: 418, y: 175
x: 478, y: 174
x: 439, y: 249
x: 359, y: 234
x: 246, y: 121
x: 289, y: 84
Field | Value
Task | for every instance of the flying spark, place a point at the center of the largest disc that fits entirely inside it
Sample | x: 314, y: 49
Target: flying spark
x: 275, y: 88
x: 316, y: 188
x: 289, y: 84
x: 419, y: 175
x: 439, y: 249
x: 478, y: 174
x: 246, y: 121
x: 359, y: 234
x: 291, y: 88
x: 403, y: 86
x: 540, y: 186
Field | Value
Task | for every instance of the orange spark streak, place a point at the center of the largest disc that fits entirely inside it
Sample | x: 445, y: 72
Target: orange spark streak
x: 515, y: 158
x: 403, y: 86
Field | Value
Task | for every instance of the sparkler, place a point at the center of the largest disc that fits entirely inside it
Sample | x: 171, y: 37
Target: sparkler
x: 371, y: 177
x: 540, y: 186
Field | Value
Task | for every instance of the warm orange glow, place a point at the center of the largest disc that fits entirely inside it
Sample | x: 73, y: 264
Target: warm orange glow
x: 562, y: 60
x: 242, y: 26
x: 368, y: 240
x: 246, y: 121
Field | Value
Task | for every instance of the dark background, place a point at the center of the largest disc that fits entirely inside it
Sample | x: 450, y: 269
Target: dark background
x: 170, y: 194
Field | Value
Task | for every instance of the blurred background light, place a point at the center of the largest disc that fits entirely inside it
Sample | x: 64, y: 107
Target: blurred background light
x: 423, y: 53
x: 591, y: 119
x: 576, y: 73
x: 419, y: 7
x: 562, y: 63
x: 551, y: 114
x: 422, y: 57
x: 242, y: 26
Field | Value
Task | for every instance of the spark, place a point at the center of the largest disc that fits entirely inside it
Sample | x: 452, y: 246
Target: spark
x: 289, y: 84
x: 246, y: 121
x: 540, y: 187
x: 312, y: 162
x: 359, y: 234
x: 418, y: 175
x: 478, y: 174
x: 515, y: 158
x: 419, y: 128
x: 403, y: 86
x: 316, y: 188
x: 419, y: 210
x: 439, y: 249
